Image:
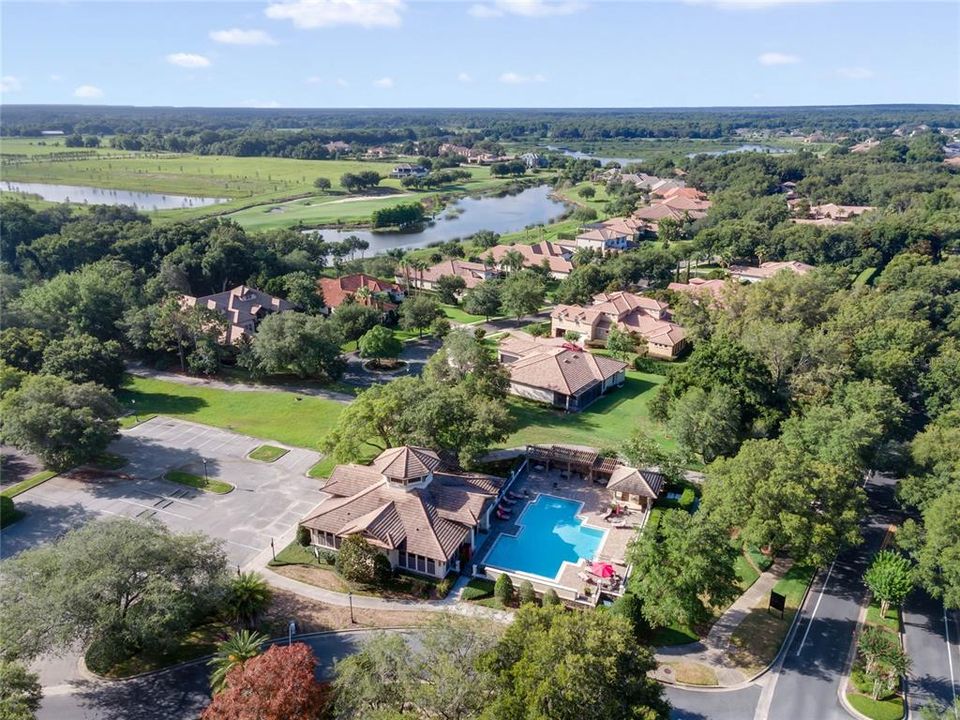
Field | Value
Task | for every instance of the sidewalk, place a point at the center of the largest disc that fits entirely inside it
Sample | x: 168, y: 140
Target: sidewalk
x: 714, y: 651
x: 144, y: 372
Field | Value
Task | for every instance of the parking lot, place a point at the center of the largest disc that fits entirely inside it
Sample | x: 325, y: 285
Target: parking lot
x: 268, y: 499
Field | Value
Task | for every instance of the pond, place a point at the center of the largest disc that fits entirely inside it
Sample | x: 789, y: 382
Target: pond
x: 747, y: 147
x: 84, y: 195
x: 506, y: 214
x: 577, y: 155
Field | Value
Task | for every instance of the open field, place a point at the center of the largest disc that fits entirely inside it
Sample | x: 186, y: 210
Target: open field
x: 314, y: 211
x: 656, y: 148
x: 284, y: 417
x: 606, y: 423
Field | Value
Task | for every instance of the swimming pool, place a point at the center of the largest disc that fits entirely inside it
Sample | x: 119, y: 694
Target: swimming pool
x: 550, y: 534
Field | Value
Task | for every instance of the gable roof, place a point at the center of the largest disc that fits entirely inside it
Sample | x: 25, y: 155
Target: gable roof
x: 769, y: 269
x: 645, y: 483
x: 567, y: 369
x: 336, y: 290
x: 472, y: 273
x: 535, y: 254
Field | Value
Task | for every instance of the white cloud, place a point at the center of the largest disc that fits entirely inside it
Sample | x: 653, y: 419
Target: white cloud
x: 526, y: 8
x: 188, y: 60
x: 384, y: 82
x: 260, y: 104
x: 236, y: 36
x: 56, y: 78
x: 10, y: 83
x: 777, y: 58
x: 512, y: 78
x: 314, y: 80
x: 751, y: 4
x: 309, y: 14
x: 855, y: 73
x: 464, y: 77
x: 88, y: 91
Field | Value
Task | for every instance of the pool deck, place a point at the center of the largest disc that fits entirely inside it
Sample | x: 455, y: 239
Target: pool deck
x: 596, y: 501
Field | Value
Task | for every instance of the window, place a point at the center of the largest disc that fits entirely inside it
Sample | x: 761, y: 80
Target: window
x: 421, y: 563
x: 431, y: 567
x: 402, y: 561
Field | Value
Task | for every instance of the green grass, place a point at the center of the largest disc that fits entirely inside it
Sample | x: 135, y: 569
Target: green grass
x: 268, y: 453
x: 30, y: 482
x: 598, y: 202
x: 477, y: 589
x: 761, y: 561
x: 889, y: 709
x: 197, y: 643
x: 674, y: 635
x: 746, y: 573
x: 794, y: 583
x: 607, y: 422
x: 865, y: 277
x: 195, y: 481
x: 456, y: 314
x: 891, y: 621
x: 296, y: 554
x: 314, y: 211
x: 300, y: 421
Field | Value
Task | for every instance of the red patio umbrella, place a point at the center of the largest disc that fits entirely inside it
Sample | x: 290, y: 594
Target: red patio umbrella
x: 603, y: 570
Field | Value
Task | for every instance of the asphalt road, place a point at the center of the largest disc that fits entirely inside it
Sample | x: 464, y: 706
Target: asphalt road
x: 807, y: 683
x: 932, y: 640
x: 178, y: 694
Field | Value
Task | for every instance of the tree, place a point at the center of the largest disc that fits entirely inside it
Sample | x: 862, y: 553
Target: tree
x: 449, y: 287
x: 235, y: 651
x: 64, y: 424
x: 416, y: 313
x: 354, y: 319
x: 20, y: 691
x: 554, y: 664
x: 114, y: 586
x: 587, y: 192
x: 379, y: 343
x: 170, y: 327
x: 373, y: 680
x: 248, y: 597
x: 22, y: 348
x: 306, y: 345
x: 681, y: 567
x: 938, y: 559
x: 322, y: 184
x: 83, y: 358
x: 550, y: 598
x: 706, y: 423
x: 523, y: 293
x: 359, y: 561
x: 280, y: 684
x: 884, y: 661
x: 302, y: 291
x: 483, y: 299
x: 890, y: 579
x: 503, y: 589
x: 401, y: 216
x: 527, y: 593
x: 512, y: 261
x: 620, y: 343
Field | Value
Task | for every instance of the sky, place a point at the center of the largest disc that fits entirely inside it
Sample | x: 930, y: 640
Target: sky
x: 488, y: 53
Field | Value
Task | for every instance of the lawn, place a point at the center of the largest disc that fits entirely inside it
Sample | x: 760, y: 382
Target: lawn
x: 674, y: 635
x: 30, y: 482
x: 746, y: 573
x: 607, y: 422
x: 888, y: 709
x: 200, y: 483
x: 268, y: 453
x: 197, y: 643
x: 459, y: 315
x: 296, y: 554
x: 300, y: 421
x: 692, y: 673
x: 314, y: 211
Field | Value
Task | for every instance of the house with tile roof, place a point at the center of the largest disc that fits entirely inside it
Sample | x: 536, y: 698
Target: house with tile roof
x: 603, y: 239
x: 645, y: 318
x: 832, y: 214
x: 556, y: 258
x: 768, y: 269
x: 243, y: 307
x: 699, y: 287
x: 556, y: 372
x: 422, y: 517
x: 382, y: 294
x: 472, y: 273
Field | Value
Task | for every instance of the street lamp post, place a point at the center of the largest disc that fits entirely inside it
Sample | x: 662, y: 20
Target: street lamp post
x: 204, y: 470
x: 273, y: 549
x: 350, y: 599
x: 291, y: 629
x: 136, y: 418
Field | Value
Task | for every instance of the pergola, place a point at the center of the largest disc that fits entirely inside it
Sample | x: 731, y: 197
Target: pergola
x: 588, y: 463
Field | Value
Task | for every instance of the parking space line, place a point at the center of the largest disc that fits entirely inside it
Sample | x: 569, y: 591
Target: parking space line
x: 151, y: 507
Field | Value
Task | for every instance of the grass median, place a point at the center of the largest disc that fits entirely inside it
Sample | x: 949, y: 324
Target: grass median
x: 195, y: 481
x: 268, y: 453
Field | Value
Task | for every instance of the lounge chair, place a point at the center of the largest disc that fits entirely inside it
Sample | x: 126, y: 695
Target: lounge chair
x: 514, y: 496
x: 509, y: 502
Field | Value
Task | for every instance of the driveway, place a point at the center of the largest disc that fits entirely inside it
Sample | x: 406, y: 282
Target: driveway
x: 268, y: 500
x: 415, y: 354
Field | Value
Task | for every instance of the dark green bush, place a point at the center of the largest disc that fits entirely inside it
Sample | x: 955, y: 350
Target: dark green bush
x: 527, y: 593
x: 550, y: 598
x: 503, y: 589
x: 687, y: 498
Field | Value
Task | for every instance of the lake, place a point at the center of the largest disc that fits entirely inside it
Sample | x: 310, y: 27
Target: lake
x: 84, y: 195
x: 748, y: 147
x: 577, y: 155
x: 466, y: 216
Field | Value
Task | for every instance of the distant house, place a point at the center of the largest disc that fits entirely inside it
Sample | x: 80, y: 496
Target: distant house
x: 532, y: 160
x: 677, y: 204
x: 768, y: 270
x: 698, y: 287
x: 337, y: 146
x: 406, y: 170
x: 833, y: 214
x: 673, y: 190
x: 472, y: 273
x: 632, y: 227
x: 380, y: 151
x: 638, y: 315
x: 603, y: 239
x: 243, y: 307
x: 865, y: 146
x: 337, y: 290
x: 421, y: 517
x: 555, y: 257
x: 558, y: 373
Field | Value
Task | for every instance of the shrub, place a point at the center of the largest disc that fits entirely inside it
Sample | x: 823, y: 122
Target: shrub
x: 303, y: 536
x: 444, y: 586
x: 358, y: 561
x: 8, y: 512
x: 642, y: 363
x: 327, y: 557
x: 527, y: 593
x: 550, y: 598
x: 687, y: 498
x: 503, y: 589
x: 477, y: 589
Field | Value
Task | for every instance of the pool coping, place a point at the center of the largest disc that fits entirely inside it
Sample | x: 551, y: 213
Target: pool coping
x: 533, y: 576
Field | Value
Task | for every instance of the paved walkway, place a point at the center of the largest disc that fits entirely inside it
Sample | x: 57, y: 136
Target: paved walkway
x: 714, y: 650
x: 145, y: 372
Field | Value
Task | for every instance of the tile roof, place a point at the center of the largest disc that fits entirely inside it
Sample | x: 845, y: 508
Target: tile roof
x: 242, y: 306
x: 769, y: 269
x: 336, y: 290
x: 472, y: 273
x: 534, y: 255
x: 406, y: 462
x: 697, y: 286
x: 645, y: 483
x: 602, y: 234
x: 566, y: 369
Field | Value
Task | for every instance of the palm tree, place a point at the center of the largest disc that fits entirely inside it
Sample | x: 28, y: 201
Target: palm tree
x: 363, y: 295
x: 231, y: 653
x: 419, y: 266
x: 249, y: 596
x: 512, y: 260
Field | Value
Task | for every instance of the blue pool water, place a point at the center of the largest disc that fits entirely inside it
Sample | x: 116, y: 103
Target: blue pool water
x: 550, y: 533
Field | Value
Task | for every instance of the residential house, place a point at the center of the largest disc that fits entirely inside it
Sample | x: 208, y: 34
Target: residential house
x: 382, y: 294
x: 637, y: 488
x: 603, y: 239
x: 768, y: 270
x: 677, y: 191
x: 422, y: 517
x: 532, y: 159
x: 472, y: 273
x: 556, y: 372
x: 833, y: 214
x: 406, y: 170
x: 629, y: 226
x: 380, y: 151
x: 698, y: 287
x: 243, y: 307
x: 676, y: 204
x: 337, y: 146
x: 554, y: 257
x: 641, y: 316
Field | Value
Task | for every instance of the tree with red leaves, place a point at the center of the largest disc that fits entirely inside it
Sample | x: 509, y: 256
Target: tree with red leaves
x: 278, y: 685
